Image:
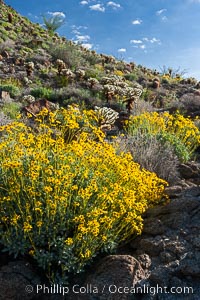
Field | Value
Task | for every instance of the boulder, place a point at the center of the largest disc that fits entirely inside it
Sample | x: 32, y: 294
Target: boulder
x: 189, y: 170
x: 4, y: 96
x: 115, y: 275
x: 18, y: 281
x: 35, y: 107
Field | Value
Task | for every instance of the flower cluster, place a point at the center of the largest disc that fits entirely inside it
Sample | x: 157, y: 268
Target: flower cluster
x: 181, y: 132
x: 62, y: 202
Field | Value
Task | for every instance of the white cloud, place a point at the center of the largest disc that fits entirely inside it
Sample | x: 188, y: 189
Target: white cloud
x: 135, y: 41
x: 84, y: 2
x: 79, y: 27
x: 137, y: 22
x: 121, y: 50
x: 152, y: 40
x: 164, y: 18
x: 82, y: 38
x: 87, y: 45
x: 159, y: 12
x: 57, y: 13
x: 75, y: 31
x: 97, y: 7
x: 142, y: 46
x: 114, y: 5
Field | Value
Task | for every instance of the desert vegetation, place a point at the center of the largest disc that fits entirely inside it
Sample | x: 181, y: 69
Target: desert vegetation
x: 88, y: 144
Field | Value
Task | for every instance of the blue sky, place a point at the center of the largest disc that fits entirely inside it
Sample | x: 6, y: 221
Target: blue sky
x: 151, y: 33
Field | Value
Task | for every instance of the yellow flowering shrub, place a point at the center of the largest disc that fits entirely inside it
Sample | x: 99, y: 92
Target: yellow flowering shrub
x: 180, y: 131
x: 62, y: 202
x: 70, y: 123
x: 118, y: 73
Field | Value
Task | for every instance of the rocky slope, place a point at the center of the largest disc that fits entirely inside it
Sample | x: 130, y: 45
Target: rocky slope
x: 34, y: 61
x: 167, y: 254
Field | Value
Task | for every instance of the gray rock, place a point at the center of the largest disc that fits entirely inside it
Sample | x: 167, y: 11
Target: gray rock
x: 189, y: 170
x: 174, y: 251
x: 18, y: 281
x: 116, y: 272
x: 173, y: 191
x: 4, y: 96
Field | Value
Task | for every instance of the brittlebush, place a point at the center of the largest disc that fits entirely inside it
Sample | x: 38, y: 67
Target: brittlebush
x: 178, y: 130
x: 63, y: 202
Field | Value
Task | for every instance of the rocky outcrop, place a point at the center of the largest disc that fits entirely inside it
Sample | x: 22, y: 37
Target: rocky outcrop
x: 115, y: 276
x: 172, y: 241
x: 35, y: 107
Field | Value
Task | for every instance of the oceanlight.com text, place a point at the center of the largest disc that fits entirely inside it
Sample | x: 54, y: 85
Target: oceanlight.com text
x: 106, y: 289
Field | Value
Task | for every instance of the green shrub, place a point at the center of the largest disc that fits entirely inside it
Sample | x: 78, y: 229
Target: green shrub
x: 93, y: 73
x: 69, y: 53
x: 42, y: 92
x: 11, y: 109
x: 71, y: 95
x: 61, y: 81
x: 91, y: 58
x: 131, y: 76
x: 11, y: 89
x: 180, y: 148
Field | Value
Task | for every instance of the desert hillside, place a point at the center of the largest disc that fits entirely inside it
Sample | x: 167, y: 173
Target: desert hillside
x: 99, y: 172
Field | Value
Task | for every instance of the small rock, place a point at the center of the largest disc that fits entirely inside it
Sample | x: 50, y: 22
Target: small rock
x: 4, y: 96
x: 190, y: 267
x: 144, y: 261
x: 173, y: 191
x: 160, y: 276
x: 153, y: 226
x: 150, y: 246
x: 188, y: 171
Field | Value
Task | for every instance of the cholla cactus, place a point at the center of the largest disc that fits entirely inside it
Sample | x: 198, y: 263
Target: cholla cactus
x: 114, y: 79
x: 80, y: 73
x: 109, y: 91
x: 109, y: 59
x: 117, y: 86
x: 106, y: 116
x: 60, y: 65
x: 10, y: 17
x: 30, y: 68
x: 27, y: 81
x: 92, y: 81
x: 156, y: 83
x: 132, y: 96
x: 68, y: 73
x: 133, y: 92
x: 28, y: 98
